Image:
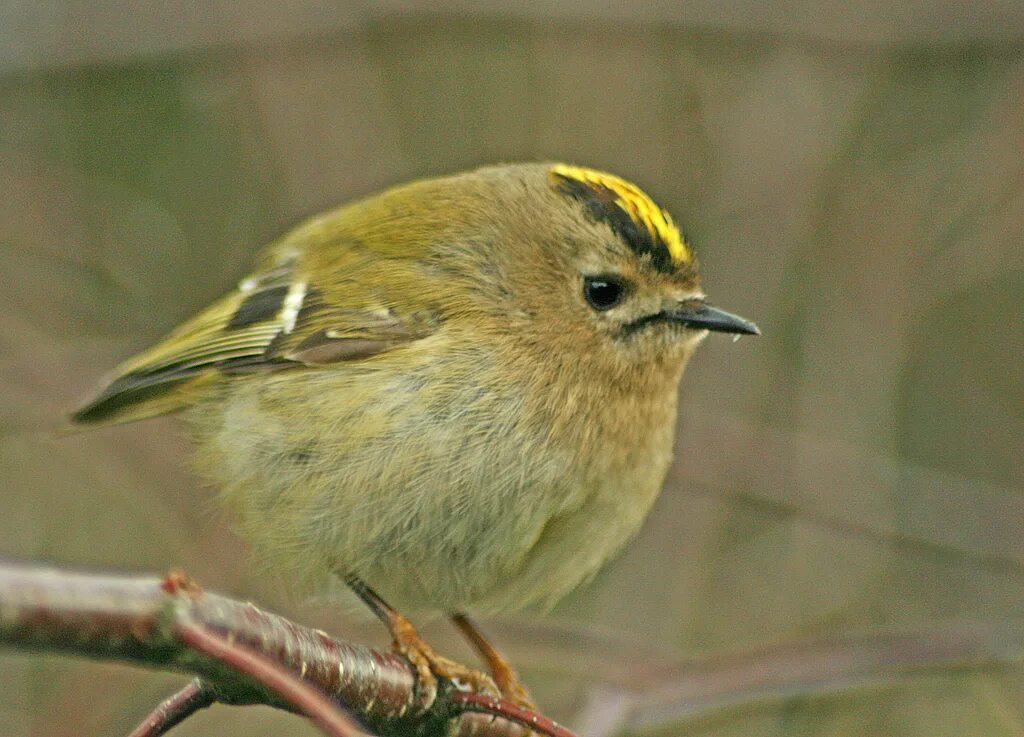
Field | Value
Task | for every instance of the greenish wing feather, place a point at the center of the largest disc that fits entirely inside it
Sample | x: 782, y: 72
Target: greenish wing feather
x: 274, y: 320
x: 233, y: 334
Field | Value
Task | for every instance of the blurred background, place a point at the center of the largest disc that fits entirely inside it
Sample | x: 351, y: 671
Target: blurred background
x: 851, y: 175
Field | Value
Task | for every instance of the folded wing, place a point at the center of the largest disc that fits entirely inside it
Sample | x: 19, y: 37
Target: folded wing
x: 275, y: 319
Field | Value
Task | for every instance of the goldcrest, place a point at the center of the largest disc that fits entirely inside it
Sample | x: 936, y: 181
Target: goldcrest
x: 461, y: 391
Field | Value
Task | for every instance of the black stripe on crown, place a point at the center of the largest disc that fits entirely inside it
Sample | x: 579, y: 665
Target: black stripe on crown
x: 599, y: 203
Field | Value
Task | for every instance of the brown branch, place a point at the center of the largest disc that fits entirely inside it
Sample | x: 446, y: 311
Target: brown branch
x: 171, y: 624
x: 176, y: 709
x: 141, y: 621
x: 303, y: 697
x: 483, y: 704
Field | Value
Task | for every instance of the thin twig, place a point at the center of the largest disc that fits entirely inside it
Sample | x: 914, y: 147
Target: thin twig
x: 304, y: 698
x: 485, y: 704
x: 175, y: 709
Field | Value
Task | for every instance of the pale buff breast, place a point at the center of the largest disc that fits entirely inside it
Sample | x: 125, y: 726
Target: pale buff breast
x: 442, y: 494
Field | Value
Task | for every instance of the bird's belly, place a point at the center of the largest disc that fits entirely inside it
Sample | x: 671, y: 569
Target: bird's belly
x: 503, y: 562
x: 473, y: 511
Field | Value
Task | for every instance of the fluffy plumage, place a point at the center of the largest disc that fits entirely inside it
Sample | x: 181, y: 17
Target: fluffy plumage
x: 413, y: 389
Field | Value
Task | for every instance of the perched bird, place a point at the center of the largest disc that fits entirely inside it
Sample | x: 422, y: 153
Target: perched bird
x: 461, y: 392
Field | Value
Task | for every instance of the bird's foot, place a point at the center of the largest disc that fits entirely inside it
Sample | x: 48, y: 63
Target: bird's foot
x: 430, y: 665
x: 505, y: 676
x: 511, y: 687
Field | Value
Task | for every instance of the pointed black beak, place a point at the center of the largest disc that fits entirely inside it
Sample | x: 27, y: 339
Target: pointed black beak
x: 702, y: 316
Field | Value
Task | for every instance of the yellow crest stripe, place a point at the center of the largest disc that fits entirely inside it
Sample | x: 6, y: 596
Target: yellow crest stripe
x: 640, y: 208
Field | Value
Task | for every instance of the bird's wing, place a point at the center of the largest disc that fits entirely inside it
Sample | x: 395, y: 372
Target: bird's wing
x: 277, y: 318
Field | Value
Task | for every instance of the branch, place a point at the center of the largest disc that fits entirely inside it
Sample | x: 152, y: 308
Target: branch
x: 296, y: 692
x: 176, y: 709
x: 242, y: 655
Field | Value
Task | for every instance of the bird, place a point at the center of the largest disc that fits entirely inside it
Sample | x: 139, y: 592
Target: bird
x: 456, y: 396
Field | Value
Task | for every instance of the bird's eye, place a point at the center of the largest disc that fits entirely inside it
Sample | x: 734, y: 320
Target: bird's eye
x: 603, y: 292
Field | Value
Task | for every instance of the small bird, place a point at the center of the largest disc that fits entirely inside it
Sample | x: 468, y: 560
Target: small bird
x: 461, y: 392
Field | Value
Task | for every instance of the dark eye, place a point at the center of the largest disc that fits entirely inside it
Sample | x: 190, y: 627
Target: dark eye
x: 603, y: 292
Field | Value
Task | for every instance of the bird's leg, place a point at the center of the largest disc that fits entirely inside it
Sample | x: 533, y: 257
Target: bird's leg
x: 428, y: 663
x: 505, y: 675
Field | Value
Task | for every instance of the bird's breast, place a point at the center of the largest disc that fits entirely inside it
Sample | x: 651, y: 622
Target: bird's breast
x: 439, y: 482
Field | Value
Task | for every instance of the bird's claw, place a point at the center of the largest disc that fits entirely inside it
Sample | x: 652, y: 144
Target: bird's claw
x: 430, y: 666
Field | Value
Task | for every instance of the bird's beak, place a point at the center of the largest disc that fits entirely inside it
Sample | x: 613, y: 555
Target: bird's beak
x: 702, y: 316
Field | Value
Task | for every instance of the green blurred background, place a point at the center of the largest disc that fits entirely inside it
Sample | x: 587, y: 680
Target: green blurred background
x: 852, y: 177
